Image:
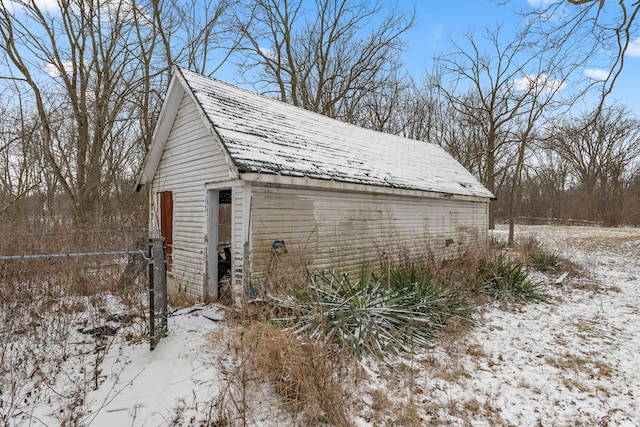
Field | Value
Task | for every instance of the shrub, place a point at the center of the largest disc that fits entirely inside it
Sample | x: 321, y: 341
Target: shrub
x: 544, y: 261
x: 504, y: 279
x: 370, y: 315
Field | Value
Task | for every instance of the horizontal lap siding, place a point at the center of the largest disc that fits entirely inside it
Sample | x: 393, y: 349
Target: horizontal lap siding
x: 190, y: 159
x: 331, y: 229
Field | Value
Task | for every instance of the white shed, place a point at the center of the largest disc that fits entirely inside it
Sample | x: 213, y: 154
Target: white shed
x: 231, y: 171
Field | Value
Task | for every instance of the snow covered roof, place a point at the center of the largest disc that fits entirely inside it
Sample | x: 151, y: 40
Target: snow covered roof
x: 266, y: 136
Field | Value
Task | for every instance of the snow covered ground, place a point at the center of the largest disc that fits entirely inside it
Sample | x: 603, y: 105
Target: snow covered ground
x: 145, y: 387
x: 571, y: 360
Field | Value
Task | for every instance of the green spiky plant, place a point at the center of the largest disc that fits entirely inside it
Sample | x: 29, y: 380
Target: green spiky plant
x: 543, y: 260
x: 372, y: 315
x: 503, y: 279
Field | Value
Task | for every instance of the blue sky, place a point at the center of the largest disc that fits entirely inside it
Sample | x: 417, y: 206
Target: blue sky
x: 439, y: 21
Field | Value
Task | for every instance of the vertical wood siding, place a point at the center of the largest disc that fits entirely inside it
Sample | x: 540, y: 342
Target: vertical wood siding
x: 191, y: 159
x: 331, y: 229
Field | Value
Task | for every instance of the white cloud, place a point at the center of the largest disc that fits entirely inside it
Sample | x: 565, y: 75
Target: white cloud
x: 268, y: 53
x: 540, y: 3
x: 53, y: 71
x: 44, y: 5
x: 538, y: 83
x: 634, y: 48
x: 596, y: 73
x: 109, y: 8
x: 47, y: 4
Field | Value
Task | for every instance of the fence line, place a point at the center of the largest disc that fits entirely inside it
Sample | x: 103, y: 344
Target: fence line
x: 561, y: 221
x: 154, y: 255
x: 71, y: 255
x: 75, y: 231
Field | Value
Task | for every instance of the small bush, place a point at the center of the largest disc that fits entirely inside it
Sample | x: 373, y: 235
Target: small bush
x: 544, y: 261
x: 504, y: 279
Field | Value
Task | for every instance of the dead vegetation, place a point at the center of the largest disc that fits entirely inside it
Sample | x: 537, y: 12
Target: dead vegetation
x: 317, y: 382
x: 274, y: 376
x: 59, y: 317
x: 265, y: 364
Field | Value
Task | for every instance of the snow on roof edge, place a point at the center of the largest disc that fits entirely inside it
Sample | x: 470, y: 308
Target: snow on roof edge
x: 264, y: 135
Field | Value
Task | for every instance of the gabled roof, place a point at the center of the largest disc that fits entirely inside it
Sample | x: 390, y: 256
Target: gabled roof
x: 265, y: 136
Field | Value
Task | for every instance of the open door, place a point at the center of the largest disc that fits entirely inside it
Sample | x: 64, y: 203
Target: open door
x: 219, y: 208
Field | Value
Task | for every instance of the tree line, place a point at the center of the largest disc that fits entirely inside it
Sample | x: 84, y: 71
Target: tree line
x: 81, y: 85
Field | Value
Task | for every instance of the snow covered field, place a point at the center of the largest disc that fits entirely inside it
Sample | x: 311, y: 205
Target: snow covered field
x: 571, y: 360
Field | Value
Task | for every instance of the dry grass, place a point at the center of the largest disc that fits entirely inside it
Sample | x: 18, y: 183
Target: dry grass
x: 407, y: 415
x: 178, y: 297
x: 591, y: 367
x: 278, y: 272
x: 396, y: 399
x: 306, y: 376
x: 47, y: 304
x: 309, y: 379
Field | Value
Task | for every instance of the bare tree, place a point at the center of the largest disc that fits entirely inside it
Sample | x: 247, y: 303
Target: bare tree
x: 18, y: 174
x: 81, y: 105
x: 384, y: 109
x: 479, y: 86
x: 94, y: 72
x: 506, y: 93
x: 601, y: 155
x: 589, y: 26
x: 545, y: 184
x: 323, y: 58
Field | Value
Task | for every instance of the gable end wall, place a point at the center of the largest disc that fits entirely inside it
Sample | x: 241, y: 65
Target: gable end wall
x: 191, y: 159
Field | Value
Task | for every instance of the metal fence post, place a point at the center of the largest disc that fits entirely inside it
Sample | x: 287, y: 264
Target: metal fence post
x: 152, y: 313
x: 157, y: 290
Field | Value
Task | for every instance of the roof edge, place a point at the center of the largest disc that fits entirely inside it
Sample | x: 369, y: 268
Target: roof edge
x: 305, y: 181
x: 206, y: 119
x: 178, y: 86
x: 161, y: 131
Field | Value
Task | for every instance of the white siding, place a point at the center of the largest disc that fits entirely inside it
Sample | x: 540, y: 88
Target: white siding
x: 331, y: 229
x: 190, y: 159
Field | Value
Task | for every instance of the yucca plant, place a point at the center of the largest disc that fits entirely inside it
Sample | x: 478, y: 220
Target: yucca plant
x: 369, y: 315
x: 504, y: 279
x: 543, y: 260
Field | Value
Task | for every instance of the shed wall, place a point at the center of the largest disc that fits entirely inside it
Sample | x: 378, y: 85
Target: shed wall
x: 191, y: 159
x: 335, y: 229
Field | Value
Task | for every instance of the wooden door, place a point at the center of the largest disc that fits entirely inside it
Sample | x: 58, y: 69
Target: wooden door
x: 166, y: 223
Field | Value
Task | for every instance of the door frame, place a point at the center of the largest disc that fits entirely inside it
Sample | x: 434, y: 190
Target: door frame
x: 211, y: 287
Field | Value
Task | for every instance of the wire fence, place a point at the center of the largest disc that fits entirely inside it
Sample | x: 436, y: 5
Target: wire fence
x: 86, y: 263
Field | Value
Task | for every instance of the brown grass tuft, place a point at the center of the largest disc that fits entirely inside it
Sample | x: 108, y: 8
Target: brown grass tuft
x: 308, y: 377
x: 178, y: 297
